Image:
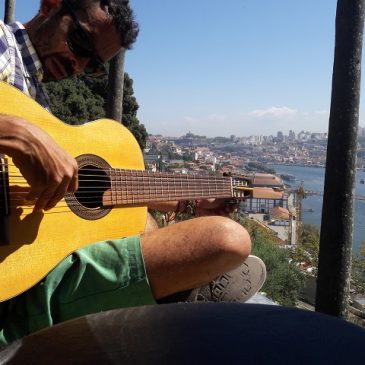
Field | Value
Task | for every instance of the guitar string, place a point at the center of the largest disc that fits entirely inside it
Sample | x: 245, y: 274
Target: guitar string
x: 58, y: 209
x: 194, y: 183
x: 137, y: 196
x: 139, y: 178
x: 163, y: 184
x: 137, y: 174
x: 223, y: 193
x: 107, y: 203
x: 21, y: 182
x: 164, y: 180
x: 139, y: 190
x: 133, y: 171
x: 21, y: 179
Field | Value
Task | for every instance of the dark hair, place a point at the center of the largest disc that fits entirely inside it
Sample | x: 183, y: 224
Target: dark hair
x: 122, y: 15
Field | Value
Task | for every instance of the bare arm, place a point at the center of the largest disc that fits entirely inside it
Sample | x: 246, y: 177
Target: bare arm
x: 48, y: 169
x: 164, y: 207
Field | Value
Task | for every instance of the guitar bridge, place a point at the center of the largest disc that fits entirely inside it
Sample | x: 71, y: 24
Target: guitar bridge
x: 4, y: 201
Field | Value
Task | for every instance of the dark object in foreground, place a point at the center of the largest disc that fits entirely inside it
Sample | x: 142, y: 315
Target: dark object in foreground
x: 209, y: 333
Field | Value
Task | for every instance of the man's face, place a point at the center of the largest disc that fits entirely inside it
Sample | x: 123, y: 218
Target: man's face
x: 59, y: 31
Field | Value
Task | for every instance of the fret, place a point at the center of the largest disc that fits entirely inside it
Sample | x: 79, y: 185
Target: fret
x: 155, y: 190
x: 181, y: 186
x: 120, y: 187
x: 145, y: 184
x: 141, y: 196
x: 187, y: 179
x: 175, y: 194
x: 136, y: 187
x: 168, y: 189
x: 161, y: 186
x: 126, y: 187
x: 133, y: 181
x: 112, y: 185
x: 140, y: 187
x: 116, y: 188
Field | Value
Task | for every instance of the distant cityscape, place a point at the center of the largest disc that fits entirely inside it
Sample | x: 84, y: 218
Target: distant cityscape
x: 193, y: 153
x: 221, y: 154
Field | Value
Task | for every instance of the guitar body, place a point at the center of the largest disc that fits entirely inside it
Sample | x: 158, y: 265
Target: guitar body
x: 37, y: 242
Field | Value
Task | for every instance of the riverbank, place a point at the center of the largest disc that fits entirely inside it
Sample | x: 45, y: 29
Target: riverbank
x: 313, y: 179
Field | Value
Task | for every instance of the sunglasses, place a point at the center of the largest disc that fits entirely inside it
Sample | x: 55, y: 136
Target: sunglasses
x: 80, y: 44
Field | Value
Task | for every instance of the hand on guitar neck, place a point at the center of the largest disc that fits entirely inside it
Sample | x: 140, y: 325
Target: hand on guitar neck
x: 48, y: 169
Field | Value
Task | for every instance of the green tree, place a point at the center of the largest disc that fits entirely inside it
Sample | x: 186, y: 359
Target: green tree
x: 73, y: 101
x: 260, y: 167
x: 130, y: 108
x: 284, y: 280
x: 81, y: 99
x: 188, y: 156
x: 306, y: 251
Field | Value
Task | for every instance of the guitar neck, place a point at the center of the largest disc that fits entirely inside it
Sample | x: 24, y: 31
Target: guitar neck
x: 134, y: 187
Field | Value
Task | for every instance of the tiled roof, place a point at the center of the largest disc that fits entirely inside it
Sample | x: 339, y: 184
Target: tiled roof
x: 267, y: 193
x: 279, y: 213
x: 266, y: 180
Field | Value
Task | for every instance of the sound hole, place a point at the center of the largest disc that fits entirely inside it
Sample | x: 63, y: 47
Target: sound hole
x: 93, y: 182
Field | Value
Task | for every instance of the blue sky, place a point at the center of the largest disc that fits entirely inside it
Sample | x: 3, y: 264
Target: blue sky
x: 239, y: 67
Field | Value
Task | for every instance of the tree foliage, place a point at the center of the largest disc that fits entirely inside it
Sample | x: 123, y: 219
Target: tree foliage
x: 306, y: 251
x: 284, y: 280
x: 257, y: 166
x: 73, y: 101
x: 81, y: 99
x: 130, y: 108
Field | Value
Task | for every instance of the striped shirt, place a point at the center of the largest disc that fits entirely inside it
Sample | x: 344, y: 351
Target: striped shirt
x: 19, y: 62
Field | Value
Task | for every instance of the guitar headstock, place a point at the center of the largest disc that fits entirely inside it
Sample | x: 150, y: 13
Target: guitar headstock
x: 240, y: 187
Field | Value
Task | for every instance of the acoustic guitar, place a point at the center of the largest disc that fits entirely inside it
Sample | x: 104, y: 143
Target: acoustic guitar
x: 110, y: 203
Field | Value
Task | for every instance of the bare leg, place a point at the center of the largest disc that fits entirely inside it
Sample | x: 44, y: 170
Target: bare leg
x: 192, y: 253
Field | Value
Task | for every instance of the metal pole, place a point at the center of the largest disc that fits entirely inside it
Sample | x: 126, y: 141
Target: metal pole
x: 337, y: 216
x: 114, y: 107
x: 9, y: 11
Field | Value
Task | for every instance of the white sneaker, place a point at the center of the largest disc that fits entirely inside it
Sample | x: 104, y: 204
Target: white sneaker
x: 237, y: 285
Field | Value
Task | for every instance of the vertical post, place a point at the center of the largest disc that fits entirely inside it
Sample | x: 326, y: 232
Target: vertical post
x: 9, y: 11
x: 337, y: 216
x: 114, y: 107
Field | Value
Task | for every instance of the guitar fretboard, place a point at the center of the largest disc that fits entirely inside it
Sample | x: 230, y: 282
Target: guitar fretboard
x: 133, y: 187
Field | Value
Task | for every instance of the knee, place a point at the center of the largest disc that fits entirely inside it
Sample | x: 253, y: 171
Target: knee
x: 231, y: 239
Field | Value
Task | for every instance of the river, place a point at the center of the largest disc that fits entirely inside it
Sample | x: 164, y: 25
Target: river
x: 313, y: 179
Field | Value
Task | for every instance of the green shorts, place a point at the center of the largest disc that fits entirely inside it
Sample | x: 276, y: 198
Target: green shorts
x: 102, y: 276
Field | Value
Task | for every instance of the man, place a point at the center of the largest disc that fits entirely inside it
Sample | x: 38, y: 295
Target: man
x: 65, y: 38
